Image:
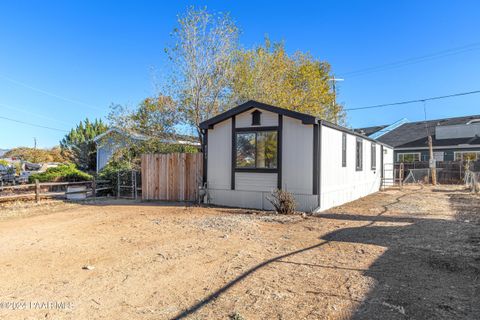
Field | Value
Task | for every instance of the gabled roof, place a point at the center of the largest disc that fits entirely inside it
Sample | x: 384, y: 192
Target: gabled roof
x: 135, y: 136
x: 173, y: 139
x: 305, y: 118
x: 415, y: 134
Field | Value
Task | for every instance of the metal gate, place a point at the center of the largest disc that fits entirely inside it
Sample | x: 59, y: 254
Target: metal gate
x: 129, y: 184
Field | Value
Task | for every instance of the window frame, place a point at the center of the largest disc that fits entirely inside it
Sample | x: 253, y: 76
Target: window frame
x: 463, y: 152
x: 255, y: 130
x: 419, y: 154
x: 359, y: 155
x: 344, y: 150
x: 373, y: 156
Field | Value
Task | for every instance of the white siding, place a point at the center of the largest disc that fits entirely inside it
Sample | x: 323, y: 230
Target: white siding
x: 343, y: 184
x: 250, y: 181
x: 297, y: 163
x: 338, y: 184
x: 104, y: 153
x: 220, y: 155
x: 388, y: 165
x: 267, y: 119
x: 257, y: 200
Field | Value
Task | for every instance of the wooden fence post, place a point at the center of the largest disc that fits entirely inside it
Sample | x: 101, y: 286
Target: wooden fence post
x: 94, y: 188
x: 135, y: 184
x: 37, y: 191
x: 118, y: 184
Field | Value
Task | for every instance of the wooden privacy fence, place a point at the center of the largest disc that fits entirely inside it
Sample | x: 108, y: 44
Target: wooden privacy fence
x: 172, y: 177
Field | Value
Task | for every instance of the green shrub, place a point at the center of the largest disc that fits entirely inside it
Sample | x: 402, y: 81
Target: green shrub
x: 62, y: 173
x: 109, y: 172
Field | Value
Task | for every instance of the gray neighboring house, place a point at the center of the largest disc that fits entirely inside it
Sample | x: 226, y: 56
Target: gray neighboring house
x: 113, y: 139
x: 2, y: 152
x: 454, y: 139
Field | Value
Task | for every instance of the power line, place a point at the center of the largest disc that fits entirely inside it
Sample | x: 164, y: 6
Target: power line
x: 413, y: 60
x: 32, y: 124
x: 32, y: 113
x: 414, y: 101
x: 49, y: 93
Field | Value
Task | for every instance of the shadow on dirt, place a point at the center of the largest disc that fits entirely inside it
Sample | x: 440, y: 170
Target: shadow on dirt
x: 430, y: 270
x: 427, y: 271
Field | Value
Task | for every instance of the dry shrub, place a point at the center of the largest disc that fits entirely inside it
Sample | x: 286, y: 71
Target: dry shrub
x: 283, y: 201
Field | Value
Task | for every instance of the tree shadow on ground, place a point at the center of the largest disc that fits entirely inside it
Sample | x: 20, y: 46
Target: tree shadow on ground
x: 425, y: 273
x: 430, y: 270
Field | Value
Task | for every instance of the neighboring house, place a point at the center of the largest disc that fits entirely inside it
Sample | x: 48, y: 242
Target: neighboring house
x: 454, y: 139
x: 255, y: 148
x: 113, y: 139
x: 2, y: 152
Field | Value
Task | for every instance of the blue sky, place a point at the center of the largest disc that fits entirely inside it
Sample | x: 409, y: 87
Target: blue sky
x: 61, y: 61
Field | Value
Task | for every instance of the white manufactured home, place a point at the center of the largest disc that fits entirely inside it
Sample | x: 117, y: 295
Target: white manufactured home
x: 255, y: 148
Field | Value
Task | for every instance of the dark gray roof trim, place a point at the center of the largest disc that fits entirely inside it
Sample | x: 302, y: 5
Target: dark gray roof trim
x: 370, y: 130
x: 352, y: 132
x: 305, y: 118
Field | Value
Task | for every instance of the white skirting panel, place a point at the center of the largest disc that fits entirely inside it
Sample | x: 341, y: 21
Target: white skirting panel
x: 257, y: 200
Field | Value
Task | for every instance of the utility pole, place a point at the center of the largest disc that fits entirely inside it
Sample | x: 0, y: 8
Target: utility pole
x: 334, y: 88
x: 34, y: 143
x: 431, y: 160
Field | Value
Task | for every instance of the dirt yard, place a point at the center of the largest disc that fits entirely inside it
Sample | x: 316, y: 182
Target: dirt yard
x: 410, y: 254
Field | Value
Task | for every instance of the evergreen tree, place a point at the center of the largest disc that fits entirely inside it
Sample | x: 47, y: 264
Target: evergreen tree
x: 78, y: 144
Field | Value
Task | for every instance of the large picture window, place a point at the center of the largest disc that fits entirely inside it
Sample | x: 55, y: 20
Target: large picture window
x: 256, y: 150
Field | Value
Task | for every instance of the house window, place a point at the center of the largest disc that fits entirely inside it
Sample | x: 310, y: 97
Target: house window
x: 344, y: 150
x: 373, y: 156
x: 359, y: 155
x: 256, y: 118
x: 408, y: 157
x: 467, y: 155
x: 256, y: 150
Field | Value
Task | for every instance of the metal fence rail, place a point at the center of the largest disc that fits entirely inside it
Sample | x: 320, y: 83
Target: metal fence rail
x: 448, y: 172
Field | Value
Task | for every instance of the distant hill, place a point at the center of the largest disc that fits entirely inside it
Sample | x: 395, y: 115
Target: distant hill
x: 2, y: 152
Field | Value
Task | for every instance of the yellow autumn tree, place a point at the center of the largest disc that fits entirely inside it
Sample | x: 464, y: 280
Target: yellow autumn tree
x: 297, y: 82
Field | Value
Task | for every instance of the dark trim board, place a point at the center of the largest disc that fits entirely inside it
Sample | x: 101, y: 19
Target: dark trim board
x: 278, y: 170
x: 205, y: 155
x: 343, y: 129
x: 250, y: 129
x: 316, y: 155
x: 258, y: 170
x: 319, y: 162
x: 305, y: 118
x: 279, y: 151
x: 234, y: 151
